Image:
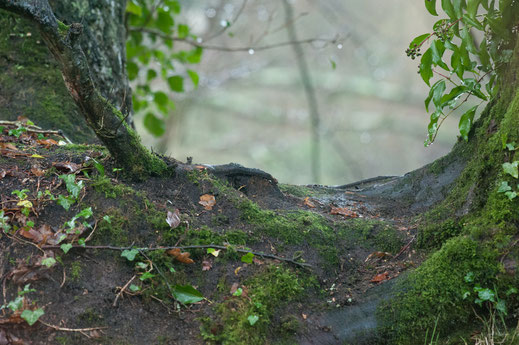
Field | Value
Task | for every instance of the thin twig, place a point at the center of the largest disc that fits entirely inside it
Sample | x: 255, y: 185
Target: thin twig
x: 233, y: 49
x: 122, y: 290
x: 264, y: 255
x: 404, y: 248
x: 65, y: 329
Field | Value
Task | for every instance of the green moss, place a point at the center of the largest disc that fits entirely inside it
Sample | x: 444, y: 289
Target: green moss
x: 267, y: 291
x: 114, y: 232
x: 103, y: 184
x: 434, y: 292
x: 299, y: 191
x: 90, y: 317
x: 63, y: 28
x: 434, y: 235
x: 75, y: 270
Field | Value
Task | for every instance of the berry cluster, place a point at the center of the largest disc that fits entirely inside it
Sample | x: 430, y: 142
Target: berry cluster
x: 413, y: 52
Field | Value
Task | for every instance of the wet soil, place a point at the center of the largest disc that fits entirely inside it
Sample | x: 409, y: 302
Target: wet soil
x: 86, y: 297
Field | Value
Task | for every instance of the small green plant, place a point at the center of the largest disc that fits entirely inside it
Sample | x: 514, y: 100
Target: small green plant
x: 510, y: 168
x: 4, y: 222
x: 23, y: 201
x: 19, y: 306
x: 72, y: 229
x: 73, y: 188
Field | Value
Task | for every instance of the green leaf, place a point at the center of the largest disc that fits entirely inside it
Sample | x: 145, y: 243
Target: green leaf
x: 466, y: 38
x: 437, y: 50
x: 484, y: 56
x: 107, y: 219
x: 511, y: 195
x: 156, y: 126
x: 247, y: 258
x: 430, y: 5
x: 133, y: 70
x: 254, y: 318
x: 186, y: 294
x: 466, y: 121
x: 449, y: 9
x: 238, y: 292
x: 146, y: 275
x: 151, y: 74
x: 504, y: 187
x: 183, y: 30
x: 66, y: 247
x: 501, y: 306
x: 426, y: 66
x: 164, y: 21
x: 49, y: 262
x: 511, y: 169
x: 469, y: 277
x: 176, y: 83
x: 472, y: 22
x: 133, y: 8
x: 450, y: 98
x: 486, y: 295
x: 31, y: 316
x: 194, y: 77
x: 472, y: 7
x: 437, y: 90
x: 85, y: 213
x: 129, y: 254
x: 134, y: 288
x: 417, y: 41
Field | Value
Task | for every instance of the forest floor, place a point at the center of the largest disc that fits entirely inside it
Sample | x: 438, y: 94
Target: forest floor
x: 89, y: 257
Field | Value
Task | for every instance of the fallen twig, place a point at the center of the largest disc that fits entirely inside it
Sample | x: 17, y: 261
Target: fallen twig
x: 264, y: 255
x: 36, y: 129
x: 65, y: 329
x: 404, y: 248
x: 122, y: 290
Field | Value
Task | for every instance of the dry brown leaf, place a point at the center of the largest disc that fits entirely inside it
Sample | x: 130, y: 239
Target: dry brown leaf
x: 36, y: 171
x: 237, y: 270
x: 67, y: 166
x: 234, y: 287
x: 173, y: 218
x: 380, y: 277
x: 208, y: 201
x: 180, y: 256
x: 47, y: 142
x: 379, y: 255
x: 206, y: 265
x: 343, y: 211
x: 257, y: 261
x: 2, y: 173
x: 308, y: 203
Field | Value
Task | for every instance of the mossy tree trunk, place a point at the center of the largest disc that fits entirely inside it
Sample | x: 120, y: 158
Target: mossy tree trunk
x: 88, y: 46
x: 472, y: 233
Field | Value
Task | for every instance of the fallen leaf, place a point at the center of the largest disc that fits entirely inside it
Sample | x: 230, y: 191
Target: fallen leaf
x: 257, y: 261
x: 380, y: 277
x: 234, y: 287
x: 2, y: 173
x: 304, y: 316
x: 8, y: 146
x: 47, y: 142
x: 379, y: 255
x: 343, y: 211
x: 237, y: 270
x: 206, y: 265
x: 173, y: 218
x: 208, y: 201
x: 36, y: 156
x: 180, y: 256
x: 308, y: 203
x: 67, y: 166
x: 213, y: 252
x: 37, y: 171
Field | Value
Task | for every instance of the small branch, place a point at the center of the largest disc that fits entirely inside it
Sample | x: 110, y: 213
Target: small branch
x: 234, y: 49
x: 65, y: 329
x: 404, y: 248
x: 264, y: 255
x: 122, y: 290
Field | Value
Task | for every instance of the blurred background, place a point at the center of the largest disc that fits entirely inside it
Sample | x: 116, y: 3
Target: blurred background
x: 343, y: 105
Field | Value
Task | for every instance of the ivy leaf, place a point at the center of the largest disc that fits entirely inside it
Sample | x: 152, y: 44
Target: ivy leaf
x: 254, y: 318
x: 129, y: 254
x: 176, y: 83
x: 430, y: 5
x: 504, y: 187
x: 66, y: 247
x: 426, y: 66
x: 511, y: 169
x: 156, y: 126
x: 187, y: 294
x: 49, y: 262
x: 31, y: 316
x: 466, y: 122
x: 247, y: 258
x: 511, y: 195
x: 486, y: 295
